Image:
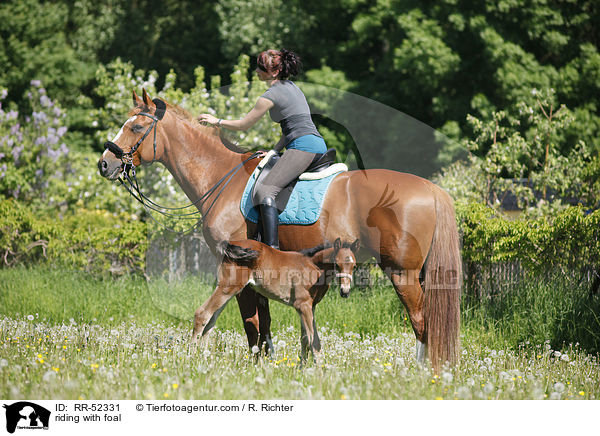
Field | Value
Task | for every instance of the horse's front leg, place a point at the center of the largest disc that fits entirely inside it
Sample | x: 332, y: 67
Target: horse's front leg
x: 206, y: 315
x: 247, y: 302
x: 264, y: 325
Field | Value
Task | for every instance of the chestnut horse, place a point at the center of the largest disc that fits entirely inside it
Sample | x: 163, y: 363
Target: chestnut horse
x: 401, y: 219
x: 299, y: 280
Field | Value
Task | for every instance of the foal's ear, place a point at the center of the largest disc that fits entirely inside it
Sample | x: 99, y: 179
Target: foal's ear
x: 355, y: 246
x: 337, y: 244
x: 136, y: 100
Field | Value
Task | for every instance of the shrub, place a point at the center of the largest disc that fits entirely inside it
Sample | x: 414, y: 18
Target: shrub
x: 94, y: 241
x: 32, y: 154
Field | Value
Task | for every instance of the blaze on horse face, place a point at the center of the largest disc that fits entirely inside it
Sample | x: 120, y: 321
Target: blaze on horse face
x: 135, y: 129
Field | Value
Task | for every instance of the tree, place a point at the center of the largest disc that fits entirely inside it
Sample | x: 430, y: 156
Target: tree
x: 521, y: 155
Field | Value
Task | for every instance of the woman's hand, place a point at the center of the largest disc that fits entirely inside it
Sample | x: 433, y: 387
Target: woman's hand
x: 208, y: 118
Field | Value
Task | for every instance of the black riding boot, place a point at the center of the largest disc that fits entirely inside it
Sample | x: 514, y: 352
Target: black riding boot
x: 269, y: 216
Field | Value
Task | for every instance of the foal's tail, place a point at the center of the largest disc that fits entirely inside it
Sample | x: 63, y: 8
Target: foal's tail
x: 443, y: 280
x: 236, y: 254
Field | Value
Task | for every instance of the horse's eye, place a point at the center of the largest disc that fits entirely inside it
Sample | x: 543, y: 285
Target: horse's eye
x: 137, y: 128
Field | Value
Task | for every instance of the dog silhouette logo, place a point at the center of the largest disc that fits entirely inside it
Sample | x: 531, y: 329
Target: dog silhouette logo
x: 26, y: 415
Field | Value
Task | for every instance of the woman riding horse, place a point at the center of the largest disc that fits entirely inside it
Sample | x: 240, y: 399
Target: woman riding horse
x: 287, y: 106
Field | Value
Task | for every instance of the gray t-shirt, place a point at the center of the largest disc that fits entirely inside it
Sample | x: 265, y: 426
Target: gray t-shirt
x: 290, y: 110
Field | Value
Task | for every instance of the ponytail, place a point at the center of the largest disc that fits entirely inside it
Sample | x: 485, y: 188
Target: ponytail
x: 290, y: 64
x: 287, y: 62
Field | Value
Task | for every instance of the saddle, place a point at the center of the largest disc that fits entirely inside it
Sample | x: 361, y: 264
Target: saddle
x: 320, y: 163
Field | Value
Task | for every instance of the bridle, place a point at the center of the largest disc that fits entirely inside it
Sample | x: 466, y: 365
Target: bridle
x: 131, y: 184
x: 344, y: 275
x: 340, y: 275
x: 127, y: 157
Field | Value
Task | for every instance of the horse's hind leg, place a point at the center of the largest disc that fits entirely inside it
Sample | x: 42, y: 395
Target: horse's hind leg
x: 408, y: 288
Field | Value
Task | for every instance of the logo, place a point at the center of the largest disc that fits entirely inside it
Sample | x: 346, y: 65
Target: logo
x: 26, y: 415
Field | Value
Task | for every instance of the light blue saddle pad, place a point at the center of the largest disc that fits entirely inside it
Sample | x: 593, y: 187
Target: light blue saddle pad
x: 304, y: 205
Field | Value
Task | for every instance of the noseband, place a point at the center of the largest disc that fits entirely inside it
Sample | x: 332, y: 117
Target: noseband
x: 127, y: 157
x: 344, y: 276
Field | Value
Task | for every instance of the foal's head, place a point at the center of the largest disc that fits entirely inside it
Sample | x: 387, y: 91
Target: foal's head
x: 344, y: 260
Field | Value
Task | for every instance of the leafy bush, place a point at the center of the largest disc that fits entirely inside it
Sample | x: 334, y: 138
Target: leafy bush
x: 567, y: 241
x: 32, y: 152
x: 93, y: 241
x: 518, y: 152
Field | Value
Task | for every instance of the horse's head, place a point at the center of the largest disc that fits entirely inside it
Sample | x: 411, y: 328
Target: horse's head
x: 344, y: 258
x: 136, y: 142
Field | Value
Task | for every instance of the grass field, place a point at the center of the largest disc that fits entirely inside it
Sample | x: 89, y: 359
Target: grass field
x: 66, y: 335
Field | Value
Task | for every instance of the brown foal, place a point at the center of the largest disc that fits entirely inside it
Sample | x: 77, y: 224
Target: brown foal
x: 297, y: 279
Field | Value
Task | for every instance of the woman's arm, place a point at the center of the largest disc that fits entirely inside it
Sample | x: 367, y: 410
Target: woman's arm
x: 259, y: 109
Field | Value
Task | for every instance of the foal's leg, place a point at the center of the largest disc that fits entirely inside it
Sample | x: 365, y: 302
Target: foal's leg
x: 204, y: 318
x: 316, y: 340
x: 306, y: 320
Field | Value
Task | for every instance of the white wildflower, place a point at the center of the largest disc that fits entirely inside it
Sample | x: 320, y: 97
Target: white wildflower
x: 488, y: 388
x: 463, y: 393
x: 49, y: 375
x: 447, y: 377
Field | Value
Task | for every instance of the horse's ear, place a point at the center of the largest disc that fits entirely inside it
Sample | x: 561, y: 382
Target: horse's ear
x: 355, y: 246
x: 136, y: 100
x: 337, y: 244
x: 146, y: 97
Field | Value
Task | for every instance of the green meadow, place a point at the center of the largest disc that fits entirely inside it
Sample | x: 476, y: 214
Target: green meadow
x: 78, y: 337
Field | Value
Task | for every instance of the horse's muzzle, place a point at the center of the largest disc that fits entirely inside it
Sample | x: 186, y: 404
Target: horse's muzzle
x: 109, y: 168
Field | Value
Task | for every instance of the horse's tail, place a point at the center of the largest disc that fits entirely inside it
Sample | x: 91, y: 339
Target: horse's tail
x: 236, y: 254
x: 443, y: 280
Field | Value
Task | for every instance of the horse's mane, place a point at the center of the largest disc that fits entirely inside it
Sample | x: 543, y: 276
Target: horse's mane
x: 207, y: 130
x: 310, y: 252
x: 210, y: 131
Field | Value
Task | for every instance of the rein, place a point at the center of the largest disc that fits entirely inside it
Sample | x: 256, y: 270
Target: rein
x: 133, y: 187
x: 136, y: 192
